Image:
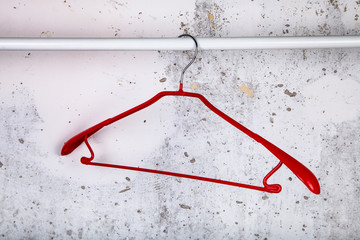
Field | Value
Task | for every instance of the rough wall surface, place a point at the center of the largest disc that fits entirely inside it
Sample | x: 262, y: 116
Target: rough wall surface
x: 305, y: 101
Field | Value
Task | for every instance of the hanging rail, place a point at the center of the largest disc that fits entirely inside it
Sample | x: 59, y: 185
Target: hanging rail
x: 141, y: 44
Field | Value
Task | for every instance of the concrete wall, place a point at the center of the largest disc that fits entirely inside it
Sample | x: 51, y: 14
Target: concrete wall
x: 305, y: 101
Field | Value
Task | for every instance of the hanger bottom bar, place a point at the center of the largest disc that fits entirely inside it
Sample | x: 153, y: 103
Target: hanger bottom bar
x: 143, y: 44
x: 269, y: 189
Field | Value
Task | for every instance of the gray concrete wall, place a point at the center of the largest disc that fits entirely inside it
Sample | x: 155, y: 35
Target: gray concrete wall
x: 305, y: 101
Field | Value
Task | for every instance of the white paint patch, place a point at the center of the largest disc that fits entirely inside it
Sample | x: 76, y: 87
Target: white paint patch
x: 331, y: 99
x: 82, y: 101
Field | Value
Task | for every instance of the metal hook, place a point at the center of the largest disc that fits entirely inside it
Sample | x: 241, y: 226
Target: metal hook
x: 196, y: 52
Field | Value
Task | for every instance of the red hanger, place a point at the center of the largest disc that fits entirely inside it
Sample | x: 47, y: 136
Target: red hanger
x: 303, y: 173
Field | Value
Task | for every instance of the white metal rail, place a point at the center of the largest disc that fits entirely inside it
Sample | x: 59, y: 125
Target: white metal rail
x: 141, y: 44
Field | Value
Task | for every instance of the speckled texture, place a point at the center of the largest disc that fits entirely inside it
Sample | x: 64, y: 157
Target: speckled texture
x: 305, y: 101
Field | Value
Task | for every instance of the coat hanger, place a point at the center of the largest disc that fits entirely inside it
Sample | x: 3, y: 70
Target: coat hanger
x: 303, y: 173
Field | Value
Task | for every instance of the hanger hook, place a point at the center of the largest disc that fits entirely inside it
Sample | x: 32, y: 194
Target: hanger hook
x: 193, y: 59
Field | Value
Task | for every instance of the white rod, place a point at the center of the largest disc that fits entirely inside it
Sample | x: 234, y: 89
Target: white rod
x: 141, y: 44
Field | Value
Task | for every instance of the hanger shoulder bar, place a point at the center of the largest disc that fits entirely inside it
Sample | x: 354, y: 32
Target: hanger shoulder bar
x: 75, y: 141
x: 303, y: 173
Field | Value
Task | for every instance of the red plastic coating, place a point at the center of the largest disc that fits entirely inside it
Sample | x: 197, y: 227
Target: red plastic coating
x: 303, y: 173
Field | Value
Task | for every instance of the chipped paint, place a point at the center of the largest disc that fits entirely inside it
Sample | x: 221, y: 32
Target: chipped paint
x: 194, y: 86
x: 246, y: 90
